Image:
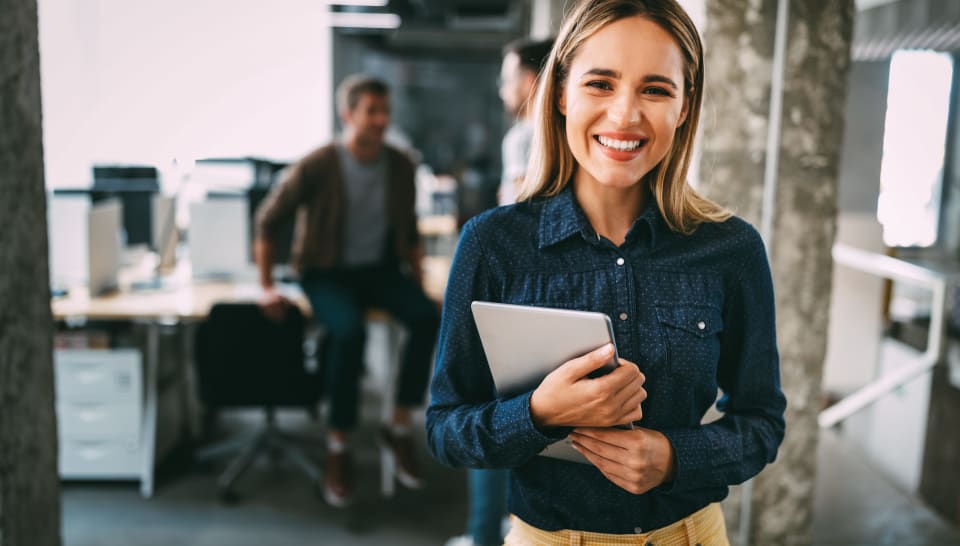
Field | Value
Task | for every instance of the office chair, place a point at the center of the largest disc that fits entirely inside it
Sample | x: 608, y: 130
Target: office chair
x: 243, y: 359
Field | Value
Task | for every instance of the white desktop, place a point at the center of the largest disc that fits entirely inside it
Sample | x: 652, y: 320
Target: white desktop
x: 104, y: 225
x: 67, y: 236
x: 219, y: 239
x: 164, y: 231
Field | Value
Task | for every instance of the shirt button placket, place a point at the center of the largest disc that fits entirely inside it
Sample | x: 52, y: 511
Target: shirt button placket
x: 622, y: 295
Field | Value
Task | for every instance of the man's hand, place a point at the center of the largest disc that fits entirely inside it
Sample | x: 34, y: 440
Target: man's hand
x: 273, y: 304
x: 567, y: 397
x: 636, y: 460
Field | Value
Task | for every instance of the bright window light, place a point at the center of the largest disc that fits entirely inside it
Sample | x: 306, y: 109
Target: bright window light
x: 346, y: 19
x: 360, y: 3
x: 911, y: 171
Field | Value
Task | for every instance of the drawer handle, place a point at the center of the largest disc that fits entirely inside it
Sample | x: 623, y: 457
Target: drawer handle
x: 88, y: 377
x: 91, y: 453
x: 91, y: 449
x: 89, y: 415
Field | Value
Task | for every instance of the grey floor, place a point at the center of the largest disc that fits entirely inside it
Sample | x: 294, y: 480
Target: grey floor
x: 855, y: 506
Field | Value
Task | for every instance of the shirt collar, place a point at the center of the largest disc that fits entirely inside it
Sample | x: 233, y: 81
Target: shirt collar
x: 561, y: 217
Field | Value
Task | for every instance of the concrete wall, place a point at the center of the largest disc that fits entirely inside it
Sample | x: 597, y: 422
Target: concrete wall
x: 739, y: 57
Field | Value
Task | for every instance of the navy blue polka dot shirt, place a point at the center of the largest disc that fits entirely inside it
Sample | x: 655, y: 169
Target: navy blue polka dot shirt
x: 695, y: 312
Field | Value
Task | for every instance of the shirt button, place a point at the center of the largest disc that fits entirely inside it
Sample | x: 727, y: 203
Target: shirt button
x: 619, y: 261
x: 637, y: 530
x: 623, y: 316
x: 701, y: 325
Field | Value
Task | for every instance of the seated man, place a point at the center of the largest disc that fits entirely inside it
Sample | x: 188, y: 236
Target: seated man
x: 356, y: 246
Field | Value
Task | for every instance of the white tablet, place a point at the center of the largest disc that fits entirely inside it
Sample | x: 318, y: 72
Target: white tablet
x: 525, y: 343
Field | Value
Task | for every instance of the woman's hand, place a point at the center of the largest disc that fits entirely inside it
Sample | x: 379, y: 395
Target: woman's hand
x: 567, y: 397
x: 636, y: 460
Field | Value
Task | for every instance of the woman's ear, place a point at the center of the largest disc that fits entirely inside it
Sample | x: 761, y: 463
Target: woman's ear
x: 561, y: 101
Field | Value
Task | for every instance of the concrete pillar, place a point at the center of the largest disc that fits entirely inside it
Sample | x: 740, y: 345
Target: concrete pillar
x: 29, y: 485
x: 739, y: 41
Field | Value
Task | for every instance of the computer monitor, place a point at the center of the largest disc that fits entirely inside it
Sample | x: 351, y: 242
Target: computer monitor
x: 103, y: 246
x: 67, y: 212
x: 218, y: 237
x: 135, y: 186
x: 165, y: 234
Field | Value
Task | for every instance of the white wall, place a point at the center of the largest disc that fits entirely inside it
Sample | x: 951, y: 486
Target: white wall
x: 144, y: 81
x: 856, y: 310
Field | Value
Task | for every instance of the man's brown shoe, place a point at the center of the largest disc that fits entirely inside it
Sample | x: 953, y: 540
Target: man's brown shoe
x: 338, y: 479
x: 401, y: 449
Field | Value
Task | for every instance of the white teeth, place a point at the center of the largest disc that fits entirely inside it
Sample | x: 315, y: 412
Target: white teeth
x: 622, y: 145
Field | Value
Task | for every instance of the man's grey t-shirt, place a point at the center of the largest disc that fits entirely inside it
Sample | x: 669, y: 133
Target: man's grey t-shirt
x: 365, y: 221
x: 515, y: 151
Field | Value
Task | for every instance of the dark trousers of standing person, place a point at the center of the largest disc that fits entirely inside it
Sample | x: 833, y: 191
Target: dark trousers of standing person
x: 339, y: 298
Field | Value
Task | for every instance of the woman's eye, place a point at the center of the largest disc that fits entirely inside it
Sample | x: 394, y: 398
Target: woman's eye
x: 599, y: 84
x: 657, y: 91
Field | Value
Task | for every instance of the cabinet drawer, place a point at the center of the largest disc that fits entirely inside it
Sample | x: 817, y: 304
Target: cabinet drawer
x: 85, y: 418
x: 99, y: 458
x: 103, y: 375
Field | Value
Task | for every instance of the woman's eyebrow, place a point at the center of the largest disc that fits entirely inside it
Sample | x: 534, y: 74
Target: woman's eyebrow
x: 650, y: 78
x: 602, y: 72
x: 657, y: 78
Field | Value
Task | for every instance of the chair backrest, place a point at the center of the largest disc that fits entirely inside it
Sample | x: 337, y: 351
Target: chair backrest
x: 245, y: 359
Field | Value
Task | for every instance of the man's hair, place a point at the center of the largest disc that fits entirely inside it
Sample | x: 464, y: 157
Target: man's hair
x: 353, y: 86
x: 532, y: 53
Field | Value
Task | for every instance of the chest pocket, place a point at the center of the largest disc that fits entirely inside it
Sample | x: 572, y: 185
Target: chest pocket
x: 692, y: 335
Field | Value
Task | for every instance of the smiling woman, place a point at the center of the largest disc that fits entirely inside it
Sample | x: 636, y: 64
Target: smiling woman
x: 606, y: 208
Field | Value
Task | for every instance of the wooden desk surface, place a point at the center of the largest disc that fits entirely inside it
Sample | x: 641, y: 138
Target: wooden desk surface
x: 437, y: 225
x: 191, y: 300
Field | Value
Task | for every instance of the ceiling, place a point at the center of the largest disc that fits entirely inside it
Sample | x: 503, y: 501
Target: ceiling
x: 442, y: 24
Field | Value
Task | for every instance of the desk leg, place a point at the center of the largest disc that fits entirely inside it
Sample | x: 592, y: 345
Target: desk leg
x: 388, y: 401
x: 188, y: 382
x: 148, y: 430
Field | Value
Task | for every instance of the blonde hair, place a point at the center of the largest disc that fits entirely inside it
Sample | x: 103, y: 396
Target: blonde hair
x: 552, y: 164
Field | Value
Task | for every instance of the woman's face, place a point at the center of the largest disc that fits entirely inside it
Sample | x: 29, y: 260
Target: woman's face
x: 623, y: 101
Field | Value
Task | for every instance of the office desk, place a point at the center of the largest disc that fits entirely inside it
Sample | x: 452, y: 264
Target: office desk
x: 182, y: 303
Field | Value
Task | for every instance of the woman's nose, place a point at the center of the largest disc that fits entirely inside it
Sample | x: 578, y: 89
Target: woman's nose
x: 625, y: 111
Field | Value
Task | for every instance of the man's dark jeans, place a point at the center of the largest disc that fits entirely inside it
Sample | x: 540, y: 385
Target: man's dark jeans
x: 339, y: 298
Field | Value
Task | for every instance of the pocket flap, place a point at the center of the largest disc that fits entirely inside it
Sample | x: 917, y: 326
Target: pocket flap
x: 701, y: 321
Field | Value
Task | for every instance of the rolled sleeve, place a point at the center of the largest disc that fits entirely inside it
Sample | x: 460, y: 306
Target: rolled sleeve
x: 281, y: 203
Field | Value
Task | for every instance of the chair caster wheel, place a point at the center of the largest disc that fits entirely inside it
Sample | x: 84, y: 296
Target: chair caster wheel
x: 228, y: 496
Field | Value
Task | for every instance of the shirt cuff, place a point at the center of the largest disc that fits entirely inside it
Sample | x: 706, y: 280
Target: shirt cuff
x: 685, y: 443
x: 512, y: 418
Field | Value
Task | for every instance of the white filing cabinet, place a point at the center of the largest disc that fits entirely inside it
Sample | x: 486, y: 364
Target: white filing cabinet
x: 99, y: 413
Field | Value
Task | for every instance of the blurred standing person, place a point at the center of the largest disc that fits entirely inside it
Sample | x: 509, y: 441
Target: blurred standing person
x: 522, y: 60
x: 356, y: 246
